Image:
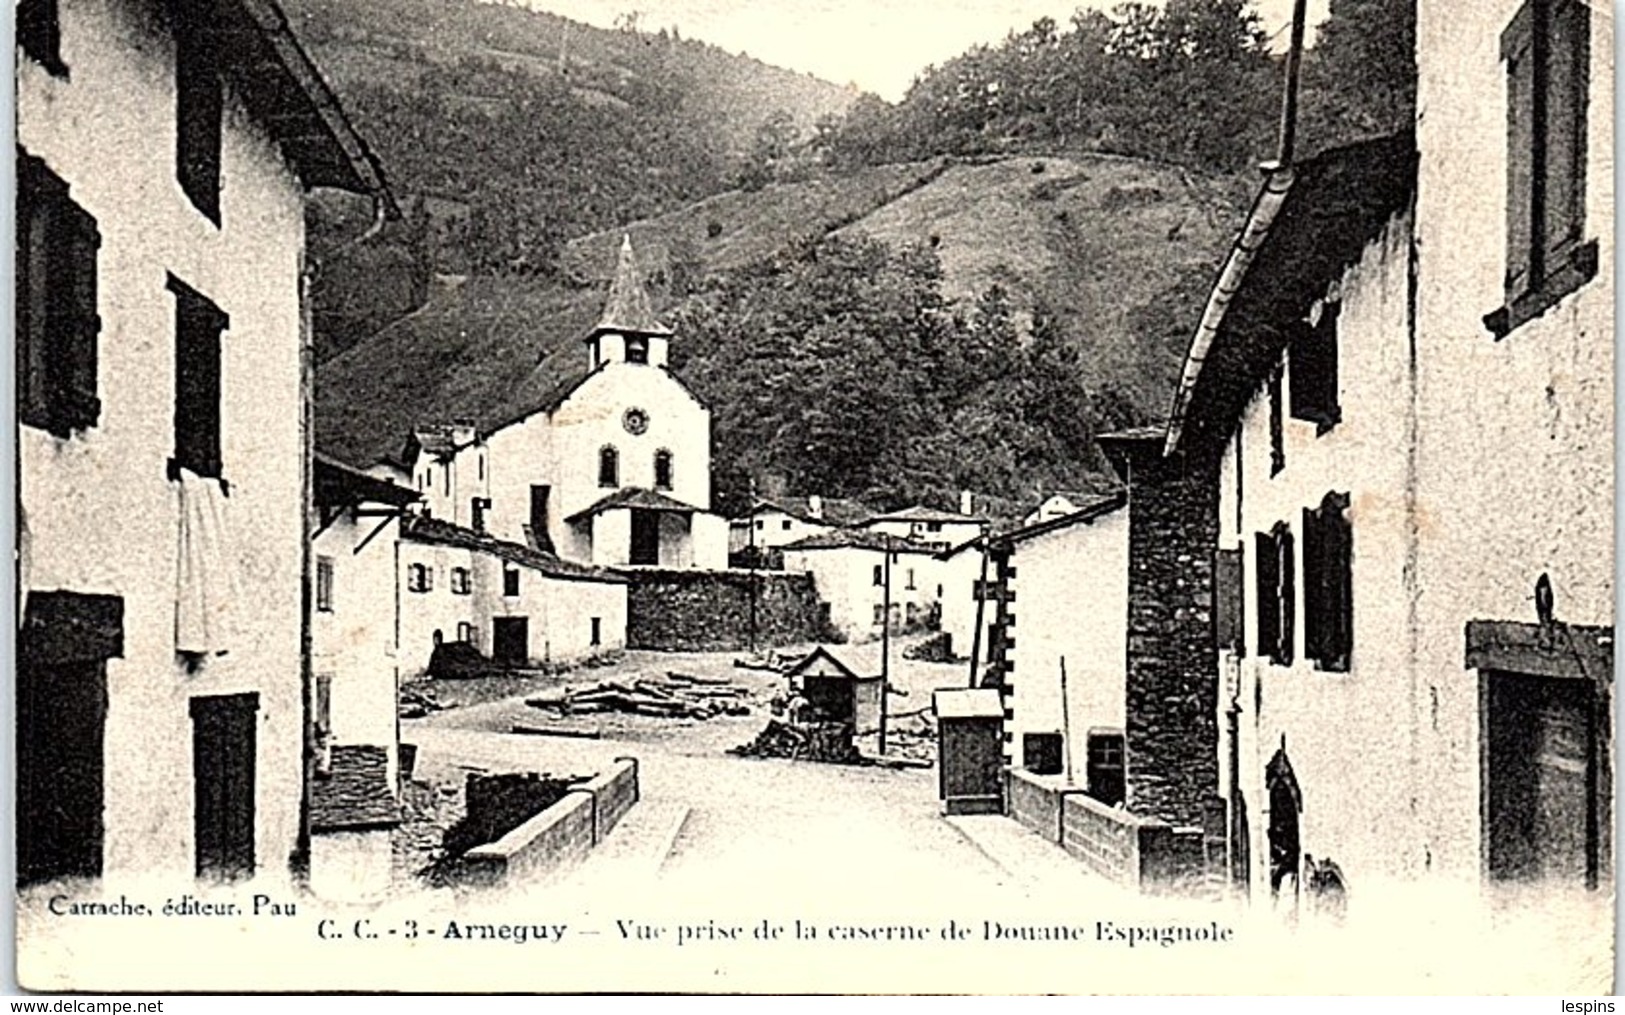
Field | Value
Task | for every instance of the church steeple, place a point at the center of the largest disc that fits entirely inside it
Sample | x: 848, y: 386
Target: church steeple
x: 628, y: 330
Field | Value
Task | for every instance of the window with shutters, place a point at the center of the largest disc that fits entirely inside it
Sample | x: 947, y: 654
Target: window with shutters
x: 1277, y: 425
x: 39, y: 34
x: 1228, y: 592
x: 1313, y: 356
x: 199, y: 102
x: 1547, y: 53
x: 419, y: 578
x: 58, y: 326
x: 1328, y: 586
x: 609, y: 467
x: 324, y: 584
x: 1276, y: 599
x: 460, y: 584
x: 198, y: 327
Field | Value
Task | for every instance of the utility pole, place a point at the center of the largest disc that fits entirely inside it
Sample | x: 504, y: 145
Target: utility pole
x: 976, y: 633
x: 752, y: 552
x: 885, y: 636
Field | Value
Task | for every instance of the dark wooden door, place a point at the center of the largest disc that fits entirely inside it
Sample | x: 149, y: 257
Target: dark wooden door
x: 223, y: 770
x: 645, y: 538
x: 1543, y: 816
x: 971, y: 758
x: 61, y: 713
x: 510, y: 640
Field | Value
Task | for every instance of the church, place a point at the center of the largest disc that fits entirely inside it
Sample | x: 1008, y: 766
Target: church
x: 612, y: 468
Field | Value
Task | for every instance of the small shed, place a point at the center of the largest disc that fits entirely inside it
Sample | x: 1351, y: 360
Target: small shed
x: 970, y: 750
x: 837, y: 693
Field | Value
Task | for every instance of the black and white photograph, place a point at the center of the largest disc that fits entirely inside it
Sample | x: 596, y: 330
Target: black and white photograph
x: 837, y: 497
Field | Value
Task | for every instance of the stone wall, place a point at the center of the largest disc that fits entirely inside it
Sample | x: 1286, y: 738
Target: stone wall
x: 1171, y: 733
x: 710, y: 611
x: 1035, y: 802
x: 558, y: 837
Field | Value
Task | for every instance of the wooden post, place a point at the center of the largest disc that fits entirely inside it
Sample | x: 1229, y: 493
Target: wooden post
x: 1066, y: 727
x: 976, y: 634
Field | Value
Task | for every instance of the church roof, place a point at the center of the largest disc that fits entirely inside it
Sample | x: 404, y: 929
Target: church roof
x: 636, y: 497
x: 628, y: 311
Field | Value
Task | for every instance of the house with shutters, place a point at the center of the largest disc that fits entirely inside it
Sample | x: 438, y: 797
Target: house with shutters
x: 1406, y: 372
x: 164, y: 152
x: 610, y: 467
x: 920, y: 523
x: 773, y: 523
x: 355, y: 792
x: 872, y: 581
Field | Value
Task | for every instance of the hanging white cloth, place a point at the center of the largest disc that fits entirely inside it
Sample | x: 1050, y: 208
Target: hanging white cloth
x: 206, y: 575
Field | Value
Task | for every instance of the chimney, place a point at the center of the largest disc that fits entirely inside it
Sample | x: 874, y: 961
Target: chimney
x: 966, y: 503
x: 815, y: 505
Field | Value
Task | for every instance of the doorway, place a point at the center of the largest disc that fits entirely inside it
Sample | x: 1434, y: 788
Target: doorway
x: 223, y: 768
x: 645, y: 537
x: 540, y: 498
x: 61, y: 715
x: 510, y: 640
x: 1543, y: 803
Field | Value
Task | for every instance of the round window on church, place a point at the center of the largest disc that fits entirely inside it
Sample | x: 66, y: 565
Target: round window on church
x: 636, y: 421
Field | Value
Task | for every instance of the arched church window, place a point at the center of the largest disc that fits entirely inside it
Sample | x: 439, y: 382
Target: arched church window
x: 662, y: 470
x: 637, y: 349
x: 609, y: 467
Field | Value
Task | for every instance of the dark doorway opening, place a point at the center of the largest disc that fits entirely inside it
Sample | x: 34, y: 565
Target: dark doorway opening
x: 223, y: 768
x: 1542, y: 785
x: 510, y: 640
x: 61, y: 712
x: 540, y: 498
x: 645, y: 537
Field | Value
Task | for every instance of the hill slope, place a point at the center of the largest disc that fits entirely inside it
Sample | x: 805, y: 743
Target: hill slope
x: 1116, y: 252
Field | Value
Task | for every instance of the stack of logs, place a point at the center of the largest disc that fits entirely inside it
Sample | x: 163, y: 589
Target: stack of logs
x: 824, y: 741
x: 677, y: 696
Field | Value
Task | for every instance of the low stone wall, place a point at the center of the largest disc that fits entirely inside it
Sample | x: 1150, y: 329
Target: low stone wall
x: 1137, y: 852
x: 710, y: 611
x: 558, y: 837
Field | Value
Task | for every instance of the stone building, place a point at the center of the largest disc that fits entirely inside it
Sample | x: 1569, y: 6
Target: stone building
x: 164, y: 154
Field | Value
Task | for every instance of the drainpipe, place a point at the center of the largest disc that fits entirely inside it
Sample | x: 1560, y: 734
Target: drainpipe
x: 1289, y: 102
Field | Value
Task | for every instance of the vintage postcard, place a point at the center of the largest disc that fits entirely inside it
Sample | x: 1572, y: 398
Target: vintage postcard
x: 1034, y: 496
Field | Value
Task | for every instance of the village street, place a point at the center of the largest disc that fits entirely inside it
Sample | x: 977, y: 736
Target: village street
x: 713, y: 825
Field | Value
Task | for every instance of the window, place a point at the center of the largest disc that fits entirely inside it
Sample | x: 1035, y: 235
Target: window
x: 609, y: 467
x: 662, y: 470
x: 785, y: 525
x: 1103, y: 767
x: 597, y: 630
x: 198, y: 324
x: 476, y: 512
x: 880, y: 576
x: 760, y: 525
x: 465, y: 630
x: 1276, y: 599
x: 880, y: 613
x: 637, y: 349
x: 460, y: 584
x: 324, y: 584
x: 1547, y: 51
x: 510, y: 581
x: 1313, y: 354
x: 1277, y: 437
x: 933, y: 527
x: 1228, y: 589
x: 57, y: 322
x: 39, y: 34
x: 322, y: 718
x: 198, y: 102
x: 448, y: 479
x: 419, y: 578
x: 1328, y: 586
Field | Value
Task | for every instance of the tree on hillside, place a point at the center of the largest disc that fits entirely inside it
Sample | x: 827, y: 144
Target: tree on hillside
x: 1360, y: 79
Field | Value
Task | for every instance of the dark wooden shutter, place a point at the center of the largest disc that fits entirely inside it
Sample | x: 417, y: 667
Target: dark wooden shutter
x: 1338, y: 550
x: 39, y: 33
x: 1277, y: 434
x: 1288, y: 596
x: 198, y: 326
x: 1568, y: 50
x: 1518, y: 50
x: 1267, y: 562
x: 1314, y: 586
x: 1227, y: 594
x: 79, y: 330
x: 199, y: 102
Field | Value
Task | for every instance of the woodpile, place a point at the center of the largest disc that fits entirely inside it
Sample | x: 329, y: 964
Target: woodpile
x: 677, y: 696
x: 829, y: 742
x: 416, y: 703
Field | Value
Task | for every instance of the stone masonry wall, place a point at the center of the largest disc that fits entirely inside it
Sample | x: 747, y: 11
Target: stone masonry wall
x: 710, y: 611
x: 1171, y: 735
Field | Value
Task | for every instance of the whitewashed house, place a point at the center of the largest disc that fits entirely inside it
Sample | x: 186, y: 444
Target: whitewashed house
x: 1057, y: 505
x: 517, y: 605
x: 164, y: 152
x: 941, y: 530
x: 355, y: 798
x: 775, y: 523
x: 1065, y: 672
x: 611, y: 468
x: 963, y: 572
x: 851, y: 572
x: 1410, y: 391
